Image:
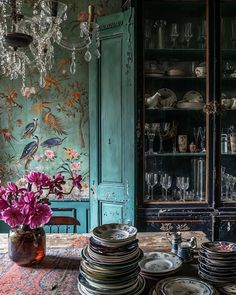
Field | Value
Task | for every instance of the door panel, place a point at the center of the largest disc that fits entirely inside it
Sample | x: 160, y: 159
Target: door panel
x: 111, y: 104
x: 111, y: 112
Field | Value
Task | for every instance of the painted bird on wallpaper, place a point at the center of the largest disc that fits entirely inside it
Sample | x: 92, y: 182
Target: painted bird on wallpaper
x: 30, y: 149
x: 30, y: 129
x: 54, y: 141
x: 53, y: 122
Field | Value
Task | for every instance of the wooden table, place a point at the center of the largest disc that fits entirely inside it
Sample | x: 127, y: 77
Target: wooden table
x: 58, y: 272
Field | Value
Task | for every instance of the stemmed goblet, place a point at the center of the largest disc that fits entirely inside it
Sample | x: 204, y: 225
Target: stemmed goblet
x: 163, y: 130
x: 202, y: 35
x: 152, y: 181
x: 188, y: 33
x: 151, y: 130
x: 165, y: 182
x: 185, y: 185
x: 174, y: 34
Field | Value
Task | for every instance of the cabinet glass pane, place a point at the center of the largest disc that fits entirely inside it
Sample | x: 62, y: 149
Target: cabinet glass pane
x: 228, y: 102
x: 175, y: 92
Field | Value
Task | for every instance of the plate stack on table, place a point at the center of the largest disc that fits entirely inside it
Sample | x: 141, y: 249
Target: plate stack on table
x: 181, y: 286
x: 110, y: 262
x: 159, y: 264
x: 217, y: 262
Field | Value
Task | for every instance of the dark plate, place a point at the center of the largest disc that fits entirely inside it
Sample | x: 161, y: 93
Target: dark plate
x: 216, y: 274
x: 215, y: 279
x: 220, y: 248
x: 99, y: 246
x: 211, y: 267
x: 203, y: 253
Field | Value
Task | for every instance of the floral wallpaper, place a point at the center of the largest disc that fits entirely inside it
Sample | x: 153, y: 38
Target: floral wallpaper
x: 42, y: 128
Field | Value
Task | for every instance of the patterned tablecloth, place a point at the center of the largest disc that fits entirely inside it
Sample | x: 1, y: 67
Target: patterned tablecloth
x: 57, y: 273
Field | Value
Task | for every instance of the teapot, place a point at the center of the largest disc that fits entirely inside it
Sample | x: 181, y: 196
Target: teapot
x: 151, y: 101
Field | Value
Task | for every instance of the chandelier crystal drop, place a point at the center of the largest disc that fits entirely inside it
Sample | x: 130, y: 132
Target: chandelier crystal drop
x: 29, y: 41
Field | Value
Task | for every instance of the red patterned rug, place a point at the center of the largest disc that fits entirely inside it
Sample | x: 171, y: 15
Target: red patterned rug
x: 55, y: 275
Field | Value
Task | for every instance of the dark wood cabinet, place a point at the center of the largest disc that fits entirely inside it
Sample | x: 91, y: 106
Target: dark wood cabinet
x: 180, y: 108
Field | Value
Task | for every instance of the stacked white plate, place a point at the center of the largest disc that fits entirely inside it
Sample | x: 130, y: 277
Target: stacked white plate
x: 159, y: 264
x: 217, y: 262
x: 181, y: 286
x: 110, y: 262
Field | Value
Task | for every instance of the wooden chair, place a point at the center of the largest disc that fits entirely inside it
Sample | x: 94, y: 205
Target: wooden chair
x: 67, y: 221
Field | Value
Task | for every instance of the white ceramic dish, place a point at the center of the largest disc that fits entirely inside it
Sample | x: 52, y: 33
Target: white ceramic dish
x: 115, y: 232
x: 193, y: 96
x: 159, y: 263
x: 184, y: 286
x: 167, y: 99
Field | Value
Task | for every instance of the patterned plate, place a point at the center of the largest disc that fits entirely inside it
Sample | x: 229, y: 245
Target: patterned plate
x: 224, y: 257
x: 215, y: 262
x: 115, y: 232
x: 214, y: 279
x: 217, y: 274
x: 220, y: 248
x: 229, y: 289
x: 184, y: 286
x: 220, y: 269
x: 159, y: 263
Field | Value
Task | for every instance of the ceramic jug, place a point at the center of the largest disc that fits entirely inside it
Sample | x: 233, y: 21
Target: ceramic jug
x: 185, y: 250
x: 175, y: 239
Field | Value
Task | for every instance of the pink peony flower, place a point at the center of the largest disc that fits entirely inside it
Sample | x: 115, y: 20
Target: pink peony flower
x: 3, y: 202
x: 13, y: 217
x: 74, y: 154
x: 12, y: 187
x: 41, y: 216
x: 39, y: 179
x: 75, y: 166
x: 27, y: 203
x: 49, y: 154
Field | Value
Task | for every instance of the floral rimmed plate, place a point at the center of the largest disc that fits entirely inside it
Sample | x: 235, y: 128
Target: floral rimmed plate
x: 159, y: 263
x: 220, y: 247
x: 229, y: 289
x: 115, y: 232
x: 184, y: 286
x: 215, y: 279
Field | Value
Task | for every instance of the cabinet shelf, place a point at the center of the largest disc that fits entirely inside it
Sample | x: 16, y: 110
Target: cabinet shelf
x: 177, y: 155
x: 184, y: 54
x: 179, y: 78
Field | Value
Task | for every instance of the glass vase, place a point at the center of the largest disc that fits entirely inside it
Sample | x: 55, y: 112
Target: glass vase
x: 26, y: 246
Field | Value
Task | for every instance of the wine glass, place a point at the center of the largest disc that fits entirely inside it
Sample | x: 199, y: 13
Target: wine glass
x: 185, y: 185
x: 165, y: 182
x: 150, y: 131
x: 195, y: 135
x: 152, y: 181
x: 174, y: 34
x: 202, y: 135
x: 231, y: 186
x: 179, y: 186
x: 188, y: 33
x: 163, y: 130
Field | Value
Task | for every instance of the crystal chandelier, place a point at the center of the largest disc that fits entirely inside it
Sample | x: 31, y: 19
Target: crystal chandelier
x: 30, y: 40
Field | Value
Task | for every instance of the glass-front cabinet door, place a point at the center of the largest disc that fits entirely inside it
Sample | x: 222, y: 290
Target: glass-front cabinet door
x: 228, y: 101
x: 175, y: 152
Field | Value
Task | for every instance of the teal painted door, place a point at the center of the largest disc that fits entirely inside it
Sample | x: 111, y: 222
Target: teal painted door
x: 111, y: 105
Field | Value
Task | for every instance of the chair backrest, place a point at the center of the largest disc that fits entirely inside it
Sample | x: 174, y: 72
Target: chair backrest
x: 67, y: 221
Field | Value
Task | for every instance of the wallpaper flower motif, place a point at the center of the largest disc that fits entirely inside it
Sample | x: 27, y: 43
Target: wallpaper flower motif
x: 41, y: 129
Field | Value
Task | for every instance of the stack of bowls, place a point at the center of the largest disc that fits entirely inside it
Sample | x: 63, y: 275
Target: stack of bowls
x: 159, y: 264
x: 110, y: 262
x: 217, y: 262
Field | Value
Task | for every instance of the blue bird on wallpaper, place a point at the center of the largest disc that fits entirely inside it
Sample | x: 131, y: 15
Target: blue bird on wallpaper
x: 30, y: 129
x: 30, y: 149
x: 54, y: 141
